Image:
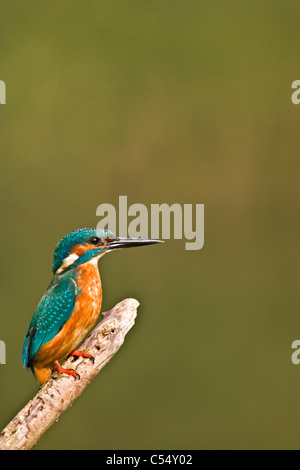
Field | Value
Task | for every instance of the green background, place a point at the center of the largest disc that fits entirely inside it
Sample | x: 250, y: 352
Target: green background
x: 162, y: 101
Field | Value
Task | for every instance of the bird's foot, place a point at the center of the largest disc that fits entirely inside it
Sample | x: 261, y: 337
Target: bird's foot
x: 77, y: 353
x: 71, y: 372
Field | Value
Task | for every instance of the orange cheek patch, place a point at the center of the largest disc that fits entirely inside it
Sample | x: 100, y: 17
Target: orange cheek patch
x: 76, y: 252
x: 81, y: 249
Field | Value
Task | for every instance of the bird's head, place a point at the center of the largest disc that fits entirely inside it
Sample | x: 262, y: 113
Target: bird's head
x: 86, y: 244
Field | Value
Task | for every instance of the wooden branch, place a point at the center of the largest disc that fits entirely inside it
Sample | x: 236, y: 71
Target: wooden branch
x: 56, y: 395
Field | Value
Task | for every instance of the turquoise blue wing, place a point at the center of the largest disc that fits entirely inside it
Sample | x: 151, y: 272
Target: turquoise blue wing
x: 53, y: 311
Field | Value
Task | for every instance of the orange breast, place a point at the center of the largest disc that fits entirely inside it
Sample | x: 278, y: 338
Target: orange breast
x: 86, y: 312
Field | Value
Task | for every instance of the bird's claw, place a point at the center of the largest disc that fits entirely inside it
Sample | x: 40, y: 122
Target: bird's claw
x: 78, y: 353
x: 71, y: 372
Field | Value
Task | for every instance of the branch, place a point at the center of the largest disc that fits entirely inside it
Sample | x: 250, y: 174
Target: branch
x: 56, y: 395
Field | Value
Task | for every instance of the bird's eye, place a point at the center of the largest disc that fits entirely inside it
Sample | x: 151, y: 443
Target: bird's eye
x: 94, y: 240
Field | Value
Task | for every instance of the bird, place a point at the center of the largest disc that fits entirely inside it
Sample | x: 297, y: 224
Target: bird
x: 72, y: 302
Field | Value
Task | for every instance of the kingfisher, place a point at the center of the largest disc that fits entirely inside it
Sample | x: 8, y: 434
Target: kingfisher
x: 72, y: 303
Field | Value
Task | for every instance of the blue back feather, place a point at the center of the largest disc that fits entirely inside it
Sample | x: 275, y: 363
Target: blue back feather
x: 53, y: 311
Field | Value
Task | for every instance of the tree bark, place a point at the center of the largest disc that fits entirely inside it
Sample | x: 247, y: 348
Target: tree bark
x: 56, y: 395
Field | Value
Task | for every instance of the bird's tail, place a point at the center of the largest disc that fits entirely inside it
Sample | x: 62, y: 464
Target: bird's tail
x: 42, y: 374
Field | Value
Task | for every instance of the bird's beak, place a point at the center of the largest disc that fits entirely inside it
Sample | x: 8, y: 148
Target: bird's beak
x: 130, y: 242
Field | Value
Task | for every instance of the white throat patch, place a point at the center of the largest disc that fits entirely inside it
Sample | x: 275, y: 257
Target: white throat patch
x: 67, y: 262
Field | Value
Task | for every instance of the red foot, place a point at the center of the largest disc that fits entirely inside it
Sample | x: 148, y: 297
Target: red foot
x: 77, y: 353
x: 72, y: 372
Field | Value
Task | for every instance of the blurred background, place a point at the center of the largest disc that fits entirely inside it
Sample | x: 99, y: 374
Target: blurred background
x: 162, y: 101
